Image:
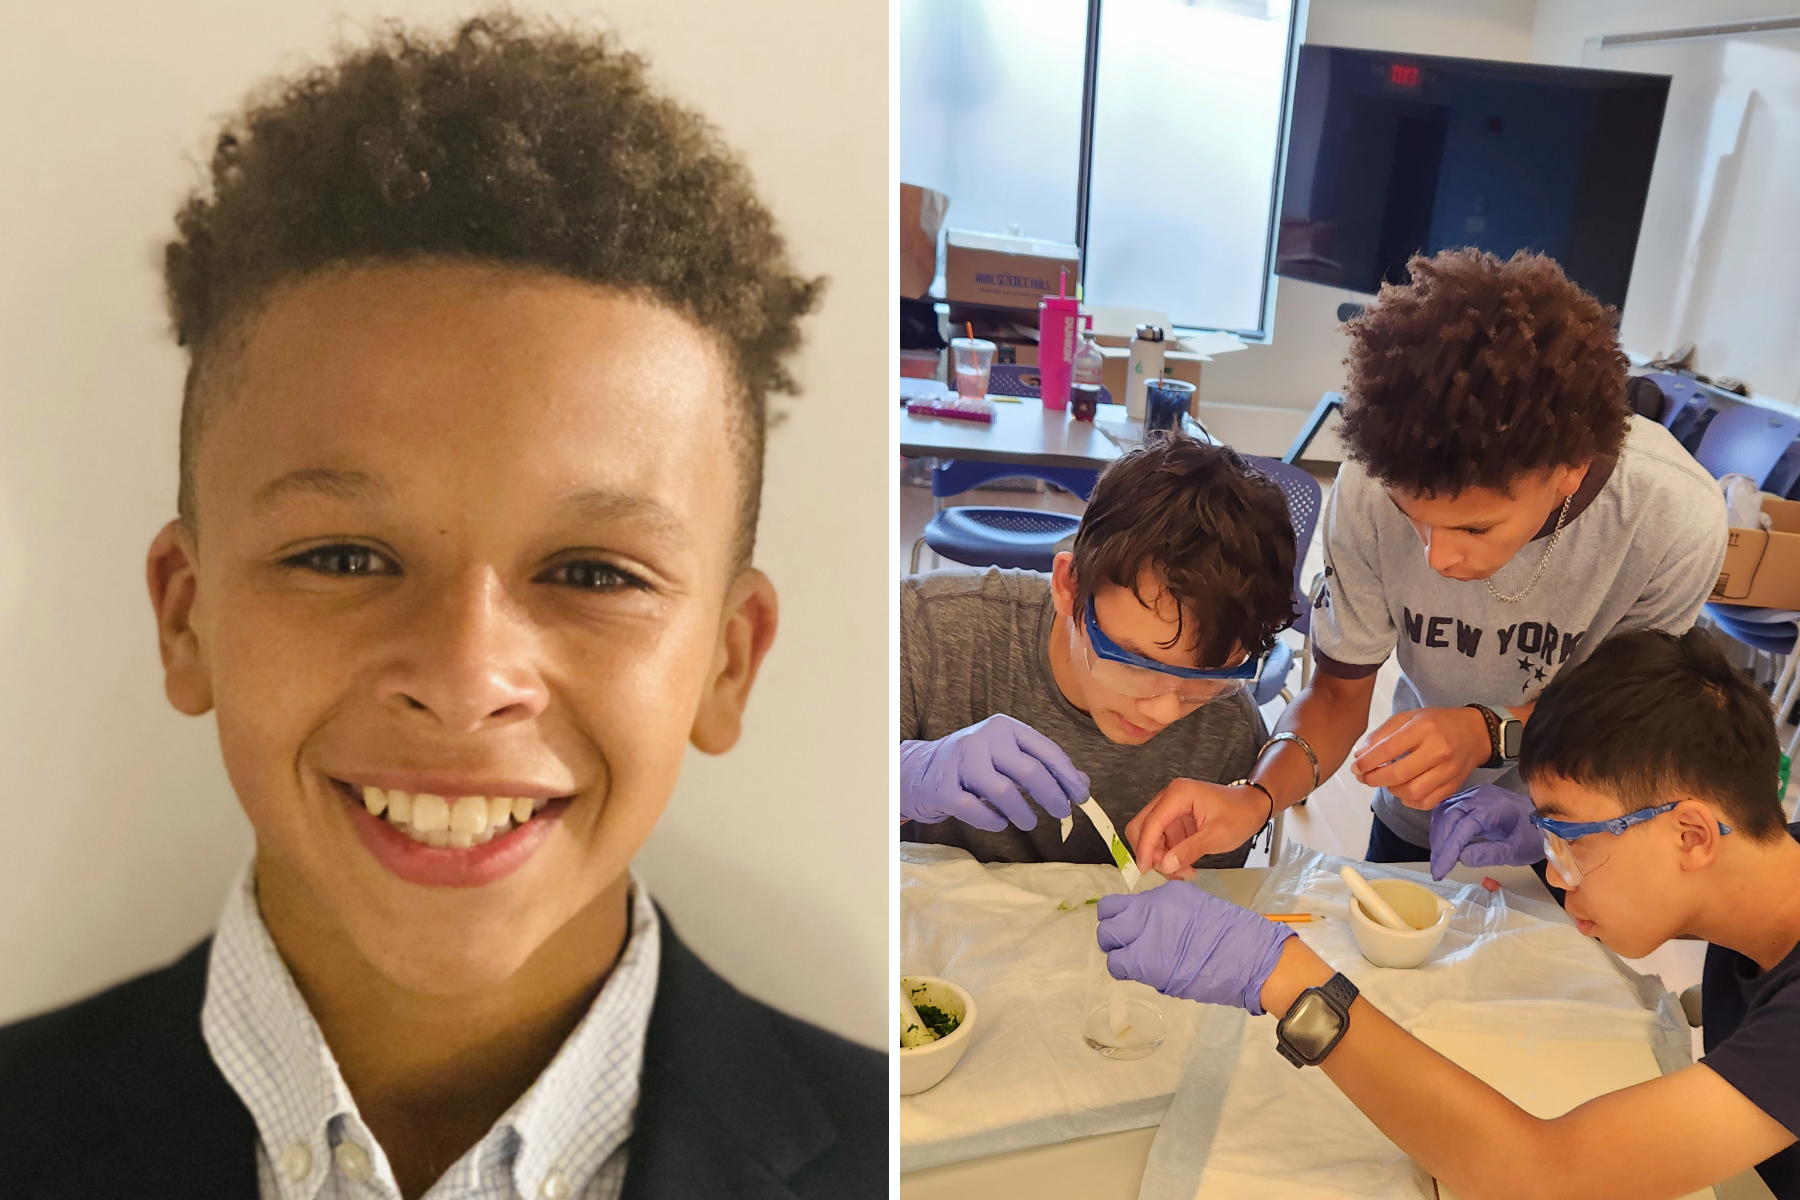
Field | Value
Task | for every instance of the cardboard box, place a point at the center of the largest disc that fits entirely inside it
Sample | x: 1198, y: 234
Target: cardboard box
x: 1762, y: 566
x: 1005, y: 272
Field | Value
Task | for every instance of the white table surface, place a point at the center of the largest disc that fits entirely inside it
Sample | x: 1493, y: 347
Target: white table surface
x: 1111, y: 1166
x: 1023, y: 432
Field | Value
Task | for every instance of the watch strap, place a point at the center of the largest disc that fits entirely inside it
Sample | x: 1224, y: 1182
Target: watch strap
x: 1492, y: 720
x: 1339, y: 988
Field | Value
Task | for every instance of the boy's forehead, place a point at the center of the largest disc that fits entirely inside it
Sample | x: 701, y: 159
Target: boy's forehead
x: 497, y: 373
x: 1563, y: 799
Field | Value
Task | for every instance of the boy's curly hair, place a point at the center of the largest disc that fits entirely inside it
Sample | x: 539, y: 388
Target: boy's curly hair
x: 1215, y: 530
x: 1480, y: 371
x: 507, y: 142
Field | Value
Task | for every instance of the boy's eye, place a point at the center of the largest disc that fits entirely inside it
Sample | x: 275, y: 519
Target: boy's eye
x: 589, y: 575
x: 347, y: 559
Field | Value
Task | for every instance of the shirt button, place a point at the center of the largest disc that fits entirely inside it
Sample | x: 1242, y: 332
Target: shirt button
x: 353, y: 1161
x: 556, y: 1187
x: 295, y: 1162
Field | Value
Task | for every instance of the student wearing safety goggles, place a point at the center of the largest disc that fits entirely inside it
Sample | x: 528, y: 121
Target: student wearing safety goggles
x: 1502, y: 512
x: 1127, y: 665
x: 1653, y: 769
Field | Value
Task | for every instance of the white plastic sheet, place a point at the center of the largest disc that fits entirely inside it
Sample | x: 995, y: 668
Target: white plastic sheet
x: 1020, y: 938
x: 1245, y: 1122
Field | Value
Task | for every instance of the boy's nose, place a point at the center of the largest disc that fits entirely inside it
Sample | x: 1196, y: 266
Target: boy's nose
x: 1441, y: 551
x: 469, y: 661
x: 1161, y: 709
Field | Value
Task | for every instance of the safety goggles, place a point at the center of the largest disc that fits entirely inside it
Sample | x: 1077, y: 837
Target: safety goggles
x: 1573, y: 851
x: 1116, y: 668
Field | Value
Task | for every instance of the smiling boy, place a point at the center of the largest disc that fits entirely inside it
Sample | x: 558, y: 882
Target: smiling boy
x: 1653, y: 767
x: 1126, y: 664
x: 480, y: 332
x: 1502, y: 512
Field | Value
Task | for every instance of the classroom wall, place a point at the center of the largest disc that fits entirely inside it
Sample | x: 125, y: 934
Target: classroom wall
x: 121, y: 832
x: 1257, y: 398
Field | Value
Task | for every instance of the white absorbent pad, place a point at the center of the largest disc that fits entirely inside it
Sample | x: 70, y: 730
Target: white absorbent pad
x: 1245, y: 1122
x: 1020, y: 938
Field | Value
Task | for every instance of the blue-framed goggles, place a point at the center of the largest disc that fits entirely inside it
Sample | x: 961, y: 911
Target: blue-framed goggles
x: 1572, y: 863
x: 1142, y: 678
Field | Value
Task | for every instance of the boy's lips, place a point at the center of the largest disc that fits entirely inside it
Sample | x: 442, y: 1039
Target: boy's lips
x: 444, y: 839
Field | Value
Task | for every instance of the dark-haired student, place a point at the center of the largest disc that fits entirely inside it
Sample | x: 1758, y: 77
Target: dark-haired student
x: 462, y: 568
x: 1502, y: 512
x: 1653, y: 775
x: 1125, y: 666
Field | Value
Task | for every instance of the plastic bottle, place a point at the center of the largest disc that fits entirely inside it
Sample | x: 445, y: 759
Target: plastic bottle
x: 1145, y: 364
x: 1085, y: 374
x: 1058, y: 320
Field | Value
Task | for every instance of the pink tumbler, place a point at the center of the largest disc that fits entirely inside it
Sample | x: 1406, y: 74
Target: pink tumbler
x: 1058, y: 342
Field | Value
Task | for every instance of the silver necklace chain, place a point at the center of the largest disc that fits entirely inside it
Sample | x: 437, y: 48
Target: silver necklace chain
x: 1542, y: 562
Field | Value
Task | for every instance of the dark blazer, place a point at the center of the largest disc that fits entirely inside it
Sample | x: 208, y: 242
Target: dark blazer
x: 117, y: 1097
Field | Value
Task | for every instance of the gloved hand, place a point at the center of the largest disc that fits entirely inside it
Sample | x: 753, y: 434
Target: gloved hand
x: 1483, y: 826
x: 975, y: 775
x: 1183, y: 942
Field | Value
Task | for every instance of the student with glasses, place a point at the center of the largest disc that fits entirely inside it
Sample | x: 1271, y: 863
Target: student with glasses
x: 1124, y: 669
x: 1502, y: 511
x: 1653, y: 768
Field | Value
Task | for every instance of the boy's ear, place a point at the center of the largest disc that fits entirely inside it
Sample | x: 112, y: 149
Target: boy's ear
x: 1062, y: 583
x: 172, y: 573
x: 745, y: 634
x: 1697, y: 825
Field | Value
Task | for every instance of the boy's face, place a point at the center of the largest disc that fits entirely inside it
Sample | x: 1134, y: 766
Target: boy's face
x: 1473, y: 534
x: 1632, y: 888
x: 461, y: 532
x: 1144, y: 630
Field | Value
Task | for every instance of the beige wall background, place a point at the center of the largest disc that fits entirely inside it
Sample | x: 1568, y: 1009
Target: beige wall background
x: 118, y: 830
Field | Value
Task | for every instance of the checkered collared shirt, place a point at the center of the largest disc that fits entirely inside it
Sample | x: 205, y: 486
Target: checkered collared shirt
x: 564, y: 1139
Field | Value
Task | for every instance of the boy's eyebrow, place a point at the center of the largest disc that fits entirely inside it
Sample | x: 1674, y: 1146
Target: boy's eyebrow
x: 603, y: 504
x: 322, y: 481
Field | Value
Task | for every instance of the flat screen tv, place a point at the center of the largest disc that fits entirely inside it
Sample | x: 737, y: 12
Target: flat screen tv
x: 1390, y: 155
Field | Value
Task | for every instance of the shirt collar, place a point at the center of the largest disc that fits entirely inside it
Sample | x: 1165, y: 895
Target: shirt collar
x: 573, y: 1118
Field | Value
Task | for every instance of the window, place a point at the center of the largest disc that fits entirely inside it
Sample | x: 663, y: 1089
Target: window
x: 1188, y: 98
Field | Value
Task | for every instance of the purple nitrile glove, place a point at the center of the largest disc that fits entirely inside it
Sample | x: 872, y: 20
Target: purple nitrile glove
x: 975, y: 775
x: 1484, y: 826
x: 1183, y: 942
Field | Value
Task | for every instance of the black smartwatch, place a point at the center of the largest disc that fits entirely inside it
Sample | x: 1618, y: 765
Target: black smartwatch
x: 1315, y: 1023
x: 1505, y: 733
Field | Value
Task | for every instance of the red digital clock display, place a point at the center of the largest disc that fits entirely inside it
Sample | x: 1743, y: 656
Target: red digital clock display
x: 1403, y: 76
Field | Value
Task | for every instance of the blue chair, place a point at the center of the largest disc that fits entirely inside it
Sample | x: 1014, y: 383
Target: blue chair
x: 1011, y: 379
x: 1684, y: 405
x: 1747, y: 439
x: 979, y: 535
x: 1303, y: 494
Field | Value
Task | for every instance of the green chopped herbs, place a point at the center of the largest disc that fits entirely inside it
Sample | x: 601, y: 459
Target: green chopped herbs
x: 1065, y: 906
x: 936, y: 1019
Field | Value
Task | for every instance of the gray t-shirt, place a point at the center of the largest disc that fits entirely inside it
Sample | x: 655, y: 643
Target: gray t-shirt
x: 974, y: 643
x: 1643, y: 552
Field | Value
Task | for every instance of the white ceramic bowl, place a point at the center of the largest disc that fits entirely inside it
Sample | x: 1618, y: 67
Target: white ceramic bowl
x: 925, y: 1066
x: 1420, y: 907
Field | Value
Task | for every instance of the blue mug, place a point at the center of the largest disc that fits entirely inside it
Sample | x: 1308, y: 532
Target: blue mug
x: 1165, y: 400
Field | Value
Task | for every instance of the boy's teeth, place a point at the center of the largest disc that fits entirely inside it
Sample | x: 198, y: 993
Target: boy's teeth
x: 469, y: 815
x: 457, y: 823
x: 430, y: 813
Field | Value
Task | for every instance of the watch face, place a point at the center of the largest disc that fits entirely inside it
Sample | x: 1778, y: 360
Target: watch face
x: 1512, y: 735
x: 1310, y: 1025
